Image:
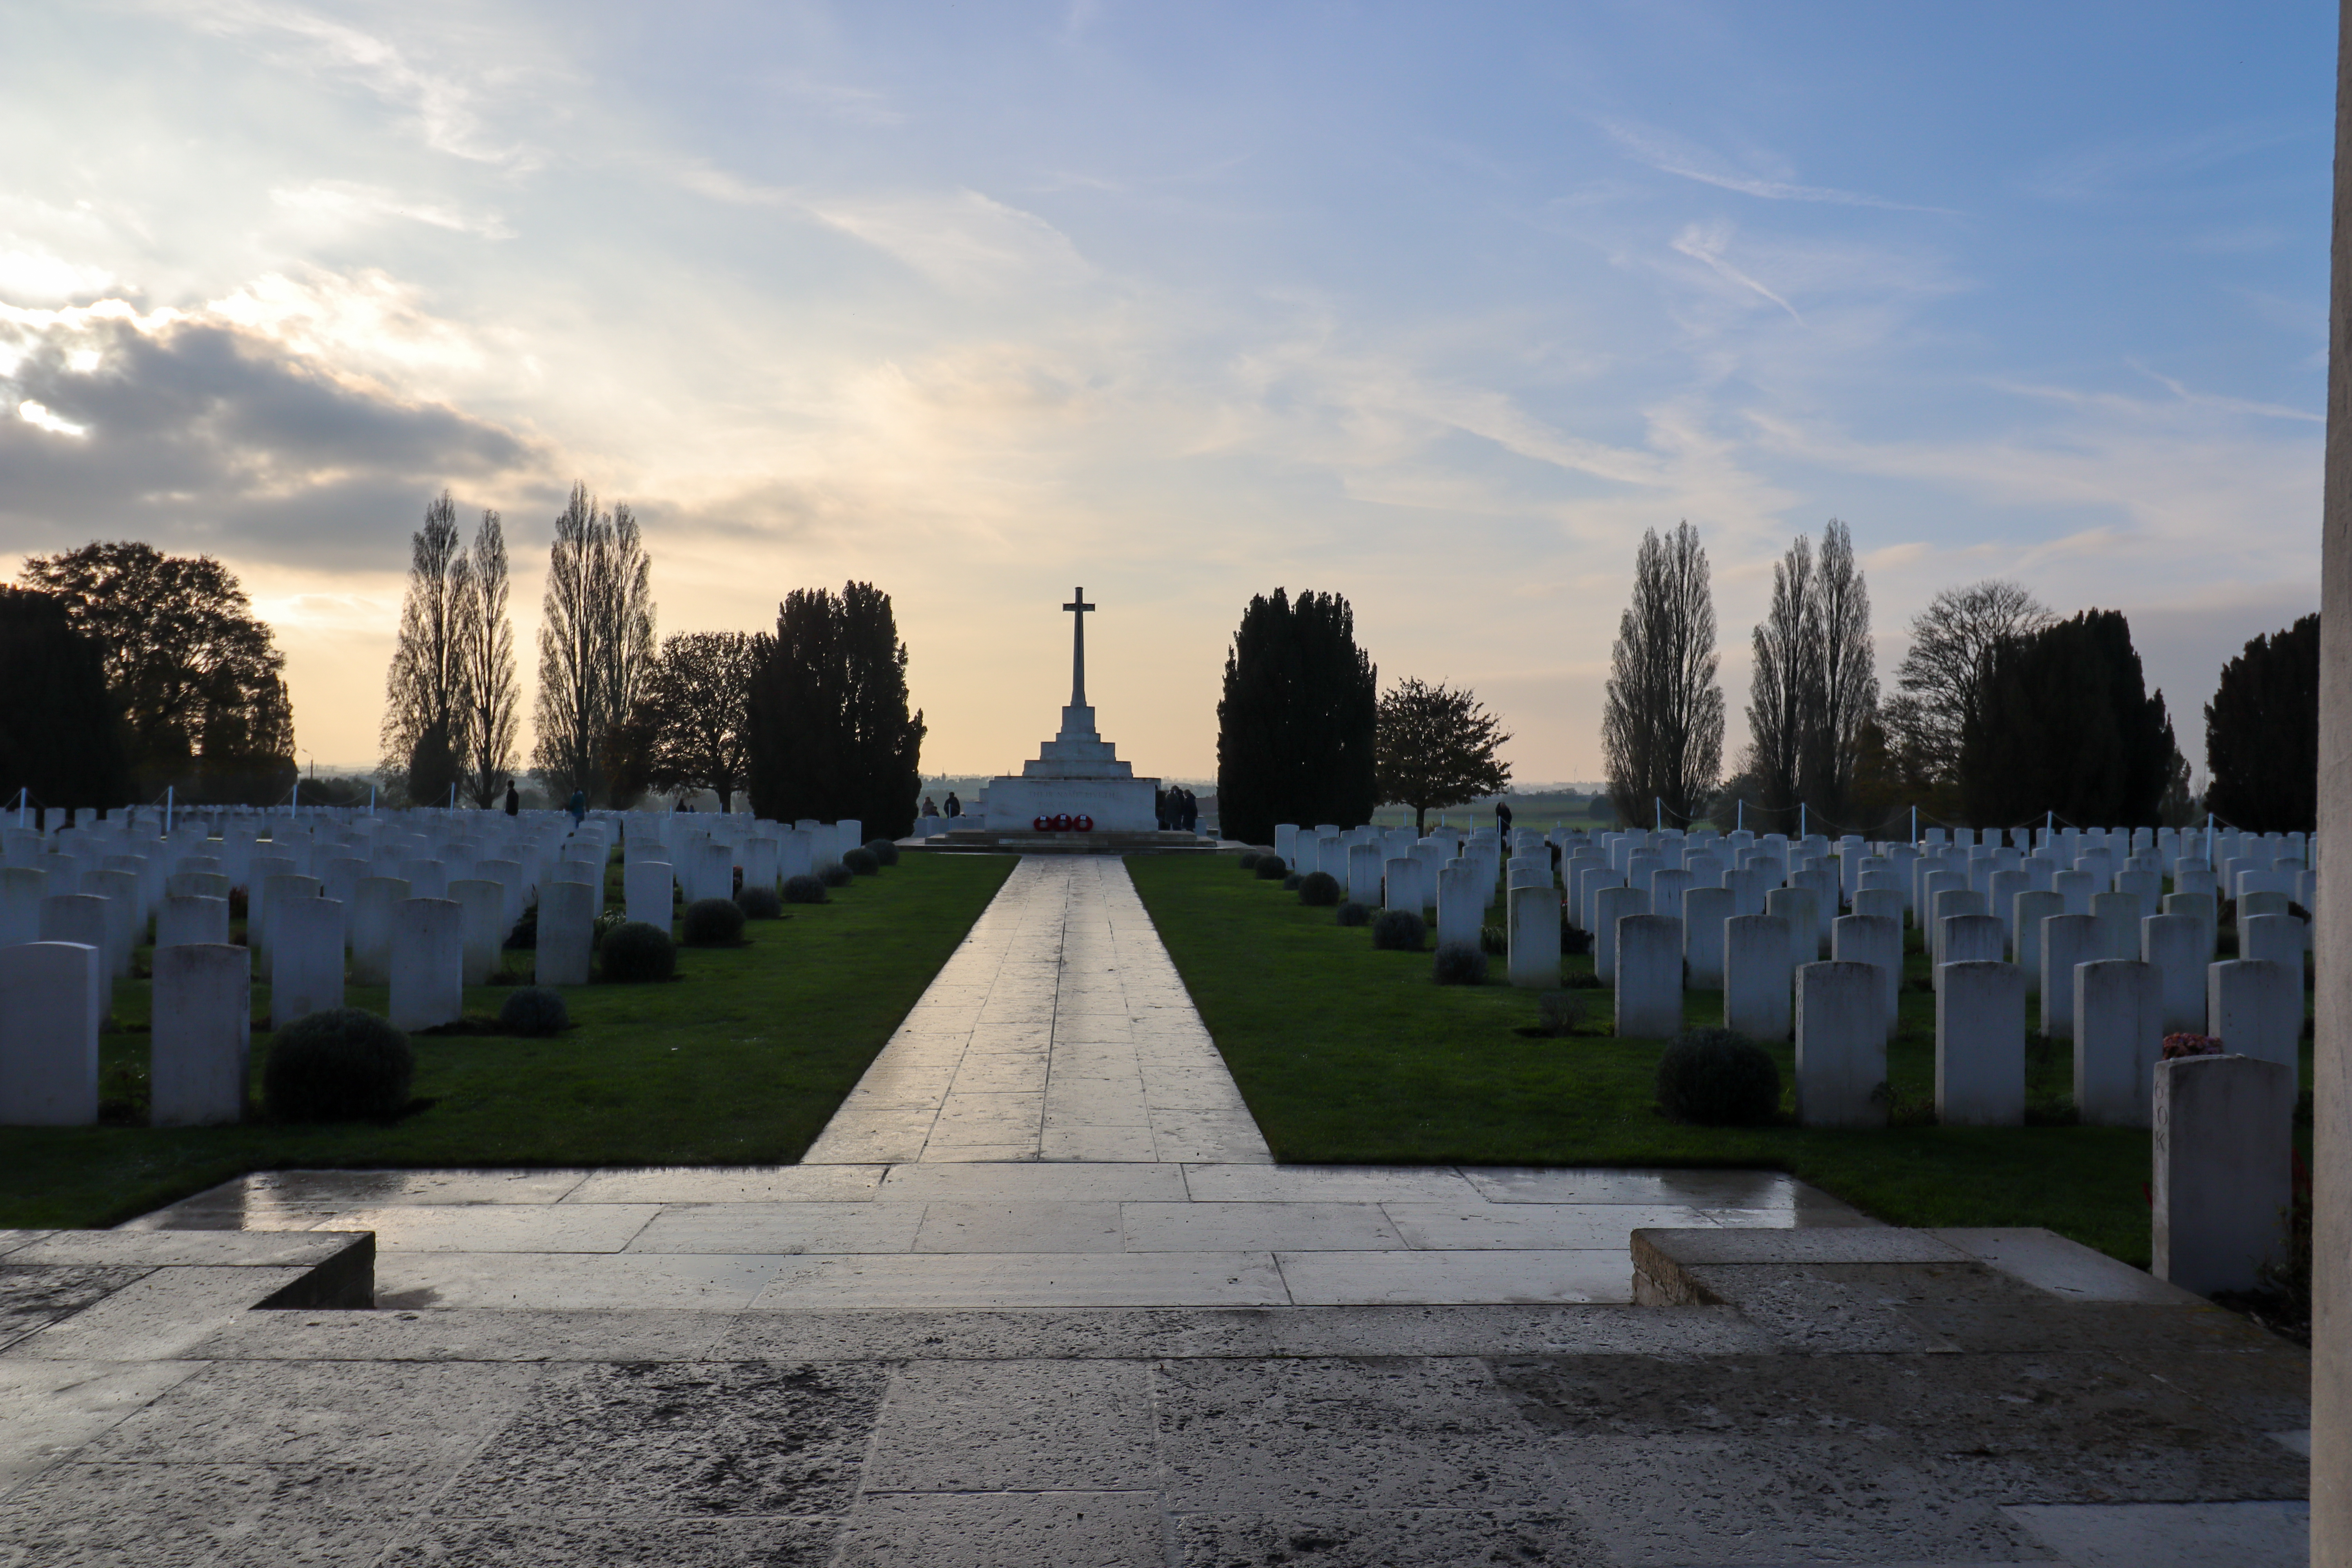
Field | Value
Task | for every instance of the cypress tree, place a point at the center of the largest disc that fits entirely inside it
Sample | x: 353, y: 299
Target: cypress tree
x: 61, y: 731
x: 1298, y: 725
x: 828, y: 733
x: 2067, y: 725
x: 2262, y: 733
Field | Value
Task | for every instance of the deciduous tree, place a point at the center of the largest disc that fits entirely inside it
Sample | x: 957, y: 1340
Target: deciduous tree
x: 1662, y: 720
x: 829, y: 733
x: 1942, y: 677
x: 595, y: 643
x: 197, y: 675
x: 427, y: 709
x: 1436, y: 748
x: 691, y: 726
x: 486, y: 655
x: 1298, y: 722
x: 2262, y: 733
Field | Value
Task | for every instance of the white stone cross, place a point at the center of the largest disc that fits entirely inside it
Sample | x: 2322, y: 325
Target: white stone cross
x: 1079, y: 607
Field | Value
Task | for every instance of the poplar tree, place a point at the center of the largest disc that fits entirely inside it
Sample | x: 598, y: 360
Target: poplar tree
x: 828, y: 732
x: 1661, y: 719
x: 596, y: 644
x: 426, y: 709
x: 1297, y: 726
x: 486, y: 656
x: 1814, y: 689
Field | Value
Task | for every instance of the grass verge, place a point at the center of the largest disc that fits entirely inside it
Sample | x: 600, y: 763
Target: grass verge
x: 740, y: 1060
x: 1346, y: 1054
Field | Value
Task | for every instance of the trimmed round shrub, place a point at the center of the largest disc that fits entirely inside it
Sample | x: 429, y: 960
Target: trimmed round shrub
x: 1397, y: 930
x: 803, y: 889
x: 1290, y: 884
x: 761, y: 903
x: 713, y: 922
x: 836, y: 874
x: 1247, y: 860
x: 1352, y: 914
x: 1556, y: 1014
x: 864, y: 862
x: 1574, y: 941
x: 639, y: 951
x: 1717, y: 1079
x: 1270, y: 868
x: 343, y: 1065
x: 534, y: 1010
x: 1459, y: 963
x: 884, y: 850
x: 1321, y: 889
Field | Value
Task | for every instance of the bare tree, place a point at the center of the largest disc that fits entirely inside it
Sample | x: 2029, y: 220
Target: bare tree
x: 595, y: 643
x: 1662, y: 724
x: 1784, y: 695
x: 1849, y: 673
x: 426, y: 703
x: 1943, y: 678
x: 486, y: 652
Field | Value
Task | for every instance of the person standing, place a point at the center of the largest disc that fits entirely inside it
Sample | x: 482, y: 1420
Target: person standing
x: 514, y: 799
x: 955, y: 806
x: 578, y: 806
x: 929, y: 809
x: 1502, y: 818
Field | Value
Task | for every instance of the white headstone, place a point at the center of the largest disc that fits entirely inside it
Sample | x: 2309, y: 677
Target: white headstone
x: 22, y: 889
x: 371, y: 930
x: 2253, y: 1009
x: 567, y: 920
x: 428, y: 961
x: 2118, y: 1033
x: 1534, y: 922
x: 1840, y: 1028
x: 1611, y: 905
x: 1704, y: 912
x: 2174, y: 944
x: 52, y: 998
x: 2066, y: 941
x: 1876, y: 941
x: 1980, y: 1045
x: 200, y: 1053
x: 2224, y: 1149
x: 186, y: 920
x: 1758, y: 964
x: 1649, y: 976
x: 647, y: 888
x: 305, y: 959
x: 482, y: 926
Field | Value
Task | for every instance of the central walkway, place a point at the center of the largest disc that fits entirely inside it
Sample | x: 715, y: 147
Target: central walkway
x: 1058, y: 1031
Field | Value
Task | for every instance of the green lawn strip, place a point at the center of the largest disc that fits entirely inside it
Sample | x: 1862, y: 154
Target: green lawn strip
x: 1346, y: 1054
x: 739, y: 1061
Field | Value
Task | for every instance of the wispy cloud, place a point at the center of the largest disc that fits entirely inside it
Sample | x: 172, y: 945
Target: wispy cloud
x: 1706, y: 245
x: 342, y: 201
x: 1671, y: 155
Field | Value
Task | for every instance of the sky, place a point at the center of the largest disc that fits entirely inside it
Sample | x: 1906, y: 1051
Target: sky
x: 1437, y: 307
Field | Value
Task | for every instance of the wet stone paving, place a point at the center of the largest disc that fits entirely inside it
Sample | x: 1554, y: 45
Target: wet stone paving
x: 1039, y: 1296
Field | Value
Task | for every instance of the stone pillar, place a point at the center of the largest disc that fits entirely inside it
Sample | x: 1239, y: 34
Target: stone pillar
x: 2254, y: 1008
x: 2118, y: 1033
x: 1876, y: 941
x: 1704, y: 912
x: 1840, y: 1041
x: 481, y: 904
x: 1611, y: 905
x: 1534, y: 937
x: 305, y: 959
x: 52, y: 996
x: 1649, y: 978
x: 1757, y: 966
x: 567, y: 920
x: 1980, y: 1045
x: 2224, y: 1147
x: 201, y: 1052
x: 2066, y: 941
x: 428, y: 963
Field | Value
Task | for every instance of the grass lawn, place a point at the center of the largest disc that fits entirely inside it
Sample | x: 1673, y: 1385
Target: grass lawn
x: 739, y: 1061
x: 1347, y: 1054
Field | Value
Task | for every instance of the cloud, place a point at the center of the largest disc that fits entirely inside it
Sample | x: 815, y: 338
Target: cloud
x: 343, y: 202
x: 1671, y: 155
x: 1706, y: 245
x: 207, y: 433
x: 37, y: 275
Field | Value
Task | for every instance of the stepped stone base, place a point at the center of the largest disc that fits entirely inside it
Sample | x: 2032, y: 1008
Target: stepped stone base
x: 1030, y: 842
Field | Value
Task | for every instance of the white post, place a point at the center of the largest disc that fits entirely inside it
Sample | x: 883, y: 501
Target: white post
x: 167, y: 811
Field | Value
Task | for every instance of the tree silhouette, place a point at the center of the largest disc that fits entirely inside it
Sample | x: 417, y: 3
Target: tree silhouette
x: 1298, y: 722
x: 1661, y: 720
x: 2262, y: 733
x: 829, y: 734
x: 1436, y: 749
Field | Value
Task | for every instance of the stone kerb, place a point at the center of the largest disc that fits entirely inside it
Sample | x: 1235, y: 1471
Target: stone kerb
x: 1841, y: 1059
x: 202, y: 1046
x: 1704, y: 912
x: 2253, y: 1009
x: 428, y: 963
x: 1649, y: 976
x: 306, y: 962
x: 2066, y: 941
x: 1611, y: 905
x: 1875, y: 940
x: 52, y: 997
x: 1980, y: 1045
x: 567, y: 922
x: 2224, y: 1146
x: 2118, y: 1035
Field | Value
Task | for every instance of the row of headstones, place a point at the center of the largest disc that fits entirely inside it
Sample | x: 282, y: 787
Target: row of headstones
x: 425, y: 949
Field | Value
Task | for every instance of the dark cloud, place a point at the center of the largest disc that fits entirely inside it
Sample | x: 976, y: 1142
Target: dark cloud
x: 206, y: 437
